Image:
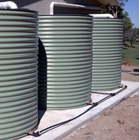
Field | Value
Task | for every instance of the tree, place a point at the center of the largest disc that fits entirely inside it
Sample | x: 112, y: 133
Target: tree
x: 116, y: 11
x: 131, y: 35
x: 127, y: 22
x: 122, y: 2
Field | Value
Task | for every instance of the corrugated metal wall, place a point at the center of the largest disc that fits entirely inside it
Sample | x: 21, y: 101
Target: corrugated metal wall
x: 18, y: 73
x: 65, y: 61
x: 107, y: 53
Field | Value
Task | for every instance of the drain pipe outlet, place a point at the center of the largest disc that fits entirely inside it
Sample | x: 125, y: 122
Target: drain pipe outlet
x: 102, y: 15
x: 8, y: 5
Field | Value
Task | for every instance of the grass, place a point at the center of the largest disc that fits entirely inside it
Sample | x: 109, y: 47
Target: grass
x: 131, y: 54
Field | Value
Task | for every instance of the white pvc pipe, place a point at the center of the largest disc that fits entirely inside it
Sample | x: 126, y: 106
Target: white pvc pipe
x: 8, y: 5
x: 102, y: 15
x: 71, y: 6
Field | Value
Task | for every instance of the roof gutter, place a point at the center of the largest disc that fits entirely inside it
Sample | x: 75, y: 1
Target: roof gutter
x: 67, y: 5
x: 110, y: 2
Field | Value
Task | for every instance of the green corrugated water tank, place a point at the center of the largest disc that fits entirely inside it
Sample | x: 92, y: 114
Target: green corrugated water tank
x: 65, y: 53
x: 18, y: 73
x: 107, y: 40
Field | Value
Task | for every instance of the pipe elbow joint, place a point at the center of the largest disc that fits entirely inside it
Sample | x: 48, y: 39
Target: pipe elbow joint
x: 10, y: 5
x: 37, y: 134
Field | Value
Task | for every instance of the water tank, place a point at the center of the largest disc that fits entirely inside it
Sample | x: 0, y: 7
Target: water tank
x: 107, y: 40
x: 65, y: 54
x: 18, y: 73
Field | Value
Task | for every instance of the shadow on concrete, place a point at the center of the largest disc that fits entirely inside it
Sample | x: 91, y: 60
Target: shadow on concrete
x: 40, y: 114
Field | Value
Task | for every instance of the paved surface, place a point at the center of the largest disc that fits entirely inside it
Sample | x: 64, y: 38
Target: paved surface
x: 51, y: 117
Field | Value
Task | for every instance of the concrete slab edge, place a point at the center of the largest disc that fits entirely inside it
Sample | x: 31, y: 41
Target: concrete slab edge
x: 97, y: 114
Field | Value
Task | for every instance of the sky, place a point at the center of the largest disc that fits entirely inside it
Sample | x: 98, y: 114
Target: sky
x: 132, y: 7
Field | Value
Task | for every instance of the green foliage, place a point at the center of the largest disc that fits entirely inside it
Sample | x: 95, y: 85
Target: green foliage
x: 126, y: 19
x: 120, y: 8
x: 122, y: 2
x: 127, y: 22
x: 131, y: 54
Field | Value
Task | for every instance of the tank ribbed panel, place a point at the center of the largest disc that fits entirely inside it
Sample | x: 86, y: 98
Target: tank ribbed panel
x: 64, y: 61
x: 107, y: 53
x: 18, y: 73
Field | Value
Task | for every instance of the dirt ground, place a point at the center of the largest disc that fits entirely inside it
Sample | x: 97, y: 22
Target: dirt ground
x: 130, y: 73
x: 119, y: 123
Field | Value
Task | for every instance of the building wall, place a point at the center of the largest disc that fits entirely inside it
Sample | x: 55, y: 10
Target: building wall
x: 43, y: 6
x: 64, y: 10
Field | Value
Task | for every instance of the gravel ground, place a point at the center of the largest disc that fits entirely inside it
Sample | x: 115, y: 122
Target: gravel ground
x: 119, y: 123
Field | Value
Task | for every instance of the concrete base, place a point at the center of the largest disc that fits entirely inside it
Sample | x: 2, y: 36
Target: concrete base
x: 51, y: 117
